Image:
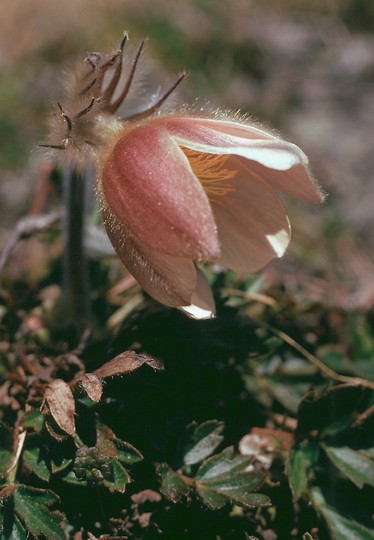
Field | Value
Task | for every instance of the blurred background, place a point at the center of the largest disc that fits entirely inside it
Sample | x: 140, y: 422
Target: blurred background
x: 303, y: 67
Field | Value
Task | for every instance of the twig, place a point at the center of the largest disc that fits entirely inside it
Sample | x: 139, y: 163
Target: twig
x: 325, y: 370
x: 256, y: 297
x: 19, y: 440
x: 26, y: 227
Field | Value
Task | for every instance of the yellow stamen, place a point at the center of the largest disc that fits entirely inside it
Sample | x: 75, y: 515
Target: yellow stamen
x: 209, y: 169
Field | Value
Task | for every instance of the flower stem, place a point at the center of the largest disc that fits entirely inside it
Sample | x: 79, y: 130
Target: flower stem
x: 75, y: 274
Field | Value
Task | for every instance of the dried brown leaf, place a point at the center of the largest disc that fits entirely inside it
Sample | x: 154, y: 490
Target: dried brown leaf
x: 55, y: 431
x: 92, y: 386
x: 7, y: 491
x: 105, y: 440
x: 60, y: 401
x: 147, y: 495
x: 126, y: 362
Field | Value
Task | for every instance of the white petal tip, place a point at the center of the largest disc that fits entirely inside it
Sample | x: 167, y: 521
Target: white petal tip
x: 279, y: 241
x: 278, y: 158
x: 290, y: 159
x: 198, y: 313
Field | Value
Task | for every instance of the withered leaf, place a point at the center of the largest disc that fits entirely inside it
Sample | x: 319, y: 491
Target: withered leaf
x: 7, y: 491
x: 124, y: 363
x: 146, y: 495
x: 54, y: 430
x: 60, y: 400
x: 105, y: 440
x: 92, y: 386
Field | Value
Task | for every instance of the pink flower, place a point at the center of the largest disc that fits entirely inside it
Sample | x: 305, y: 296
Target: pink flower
x: 178, y: 190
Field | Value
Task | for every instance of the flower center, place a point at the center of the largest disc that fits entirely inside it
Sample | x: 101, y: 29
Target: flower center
x: 210, y: 170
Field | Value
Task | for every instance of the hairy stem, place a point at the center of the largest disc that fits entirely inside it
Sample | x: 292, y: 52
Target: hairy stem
x: 75, y: 280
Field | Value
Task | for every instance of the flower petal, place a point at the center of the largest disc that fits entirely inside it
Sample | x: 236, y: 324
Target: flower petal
x: 148, y: 183
x: 183, y: 125
x: 202, y: 303
x: 170, y: 280
x: 253, y: 227
x: 295, y: 181
x: 286, y: 161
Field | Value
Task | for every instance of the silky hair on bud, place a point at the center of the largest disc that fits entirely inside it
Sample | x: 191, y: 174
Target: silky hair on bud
x: 83, y: 124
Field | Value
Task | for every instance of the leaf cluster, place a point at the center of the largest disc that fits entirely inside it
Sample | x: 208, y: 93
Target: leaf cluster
x: 159, y: 426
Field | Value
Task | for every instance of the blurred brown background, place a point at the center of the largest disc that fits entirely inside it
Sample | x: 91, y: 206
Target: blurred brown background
x: 304, y: 67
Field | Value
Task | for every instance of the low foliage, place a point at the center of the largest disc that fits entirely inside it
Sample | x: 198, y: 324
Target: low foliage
x: 155, y: 425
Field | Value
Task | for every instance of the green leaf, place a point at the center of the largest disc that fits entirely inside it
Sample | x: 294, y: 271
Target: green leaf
x: 5, y: 456
x: 354, y: 365
x: 120, y: 477
x: 127, y: 453
x: 203, y: 440
x: 33, y: 420
x: 300, y: 462
x: 337, y: 427
x: 15, y: 532
x: 288, y: 394
x: 353, y: 464
x: 110, y: 445
x: 173, y: 486
x: 362, y: 339
x: 368, y: 452
x: 35, y: 462
x: 333, y: 410
x: 341, y: 528
x: 32, y: 506
x: 72, y: 479
x: 214, y: 499
x: 226, y: 478
x: 59, y: 464
x: 211, y: 498
x: 222, y: 464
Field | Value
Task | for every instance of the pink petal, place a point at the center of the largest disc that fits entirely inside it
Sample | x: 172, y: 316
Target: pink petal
x: 295, y: 181
x: 202, y: 302
x: 282, y: 164
x: 183, y: 125
x: 170, y: 280
x: 253, y: 227
x: 148, y: 183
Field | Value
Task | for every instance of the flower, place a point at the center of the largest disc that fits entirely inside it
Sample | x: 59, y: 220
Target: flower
x: 177, y: 190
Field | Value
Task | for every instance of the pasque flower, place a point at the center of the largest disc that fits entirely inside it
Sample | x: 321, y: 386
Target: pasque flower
x: 176, y: 191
